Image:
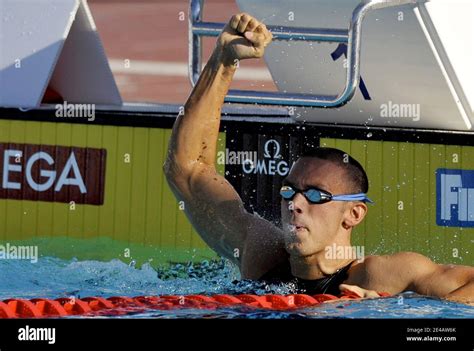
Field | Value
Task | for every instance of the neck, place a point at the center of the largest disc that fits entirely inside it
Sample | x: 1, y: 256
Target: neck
x: 317, y: 265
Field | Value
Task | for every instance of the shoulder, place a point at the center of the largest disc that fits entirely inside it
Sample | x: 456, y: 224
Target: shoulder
x: 399, y: 259
x: 393, y: 273
x: 406, y: 263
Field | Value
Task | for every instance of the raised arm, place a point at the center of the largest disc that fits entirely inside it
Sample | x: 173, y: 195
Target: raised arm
x: 210, y: 202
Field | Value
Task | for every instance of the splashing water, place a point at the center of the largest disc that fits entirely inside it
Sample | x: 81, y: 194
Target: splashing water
x: 53, y: 278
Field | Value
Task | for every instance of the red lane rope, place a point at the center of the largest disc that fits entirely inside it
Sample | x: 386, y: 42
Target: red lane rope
x: 120, y: 305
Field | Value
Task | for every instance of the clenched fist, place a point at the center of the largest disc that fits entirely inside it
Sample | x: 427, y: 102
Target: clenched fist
x: 242, y: 38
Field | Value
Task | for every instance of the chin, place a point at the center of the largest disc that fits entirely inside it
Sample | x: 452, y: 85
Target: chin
x: 302, y: 247
x: 297, y: 249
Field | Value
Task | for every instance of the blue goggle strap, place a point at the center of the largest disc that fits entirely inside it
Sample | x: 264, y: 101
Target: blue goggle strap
x: 352, y: 197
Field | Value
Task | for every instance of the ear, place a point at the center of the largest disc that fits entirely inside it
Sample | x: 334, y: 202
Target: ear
x: 354, y: 215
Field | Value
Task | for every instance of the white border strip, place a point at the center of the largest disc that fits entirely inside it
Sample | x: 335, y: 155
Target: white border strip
x: 461, y: 109
x: 178, y: 69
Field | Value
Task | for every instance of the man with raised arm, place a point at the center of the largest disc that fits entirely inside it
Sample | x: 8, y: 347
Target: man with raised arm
x: 323, y: 199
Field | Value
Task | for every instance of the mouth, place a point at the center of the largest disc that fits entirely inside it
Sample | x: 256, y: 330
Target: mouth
x: 296, y: 228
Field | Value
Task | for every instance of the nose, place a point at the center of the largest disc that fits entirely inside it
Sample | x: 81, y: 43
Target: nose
x: 298, y: 203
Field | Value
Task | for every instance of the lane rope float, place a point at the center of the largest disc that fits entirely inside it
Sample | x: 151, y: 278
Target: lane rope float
x: 122, y: 305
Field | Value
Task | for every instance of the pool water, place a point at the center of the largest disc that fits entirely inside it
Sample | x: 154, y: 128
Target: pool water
x: 53, y: 278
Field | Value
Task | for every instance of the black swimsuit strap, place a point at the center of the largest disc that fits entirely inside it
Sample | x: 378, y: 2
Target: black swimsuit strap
x: 326, y: 285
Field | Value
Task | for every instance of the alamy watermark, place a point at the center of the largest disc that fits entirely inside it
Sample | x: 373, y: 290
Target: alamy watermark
x: 14, y: 252
x: 228, y: 157
x: 37, y: 334
x: 67, y: 110
x: 396, y: 110
x: 341, y: 252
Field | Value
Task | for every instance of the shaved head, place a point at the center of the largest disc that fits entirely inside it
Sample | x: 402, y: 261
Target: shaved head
x: 355, y: 174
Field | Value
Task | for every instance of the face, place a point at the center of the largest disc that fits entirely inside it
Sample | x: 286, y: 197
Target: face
x: 309, y: 228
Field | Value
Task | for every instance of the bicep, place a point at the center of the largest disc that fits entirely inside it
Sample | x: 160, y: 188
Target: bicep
x: 216, y: 211
x: 416, y: 272
x: 409, y: 271
x: 443, y: 279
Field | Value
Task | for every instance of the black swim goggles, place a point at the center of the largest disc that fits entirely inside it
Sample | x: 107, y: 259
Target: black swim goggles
x: 318, y: 196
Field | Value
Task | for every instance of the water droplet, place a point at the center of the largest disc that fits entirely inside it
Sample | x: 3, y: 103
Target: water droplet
x: 369, y: 135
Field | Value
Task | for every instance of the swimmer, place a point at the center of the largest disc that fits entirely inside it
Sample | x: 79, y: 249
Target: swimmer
x: 323, y: 200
